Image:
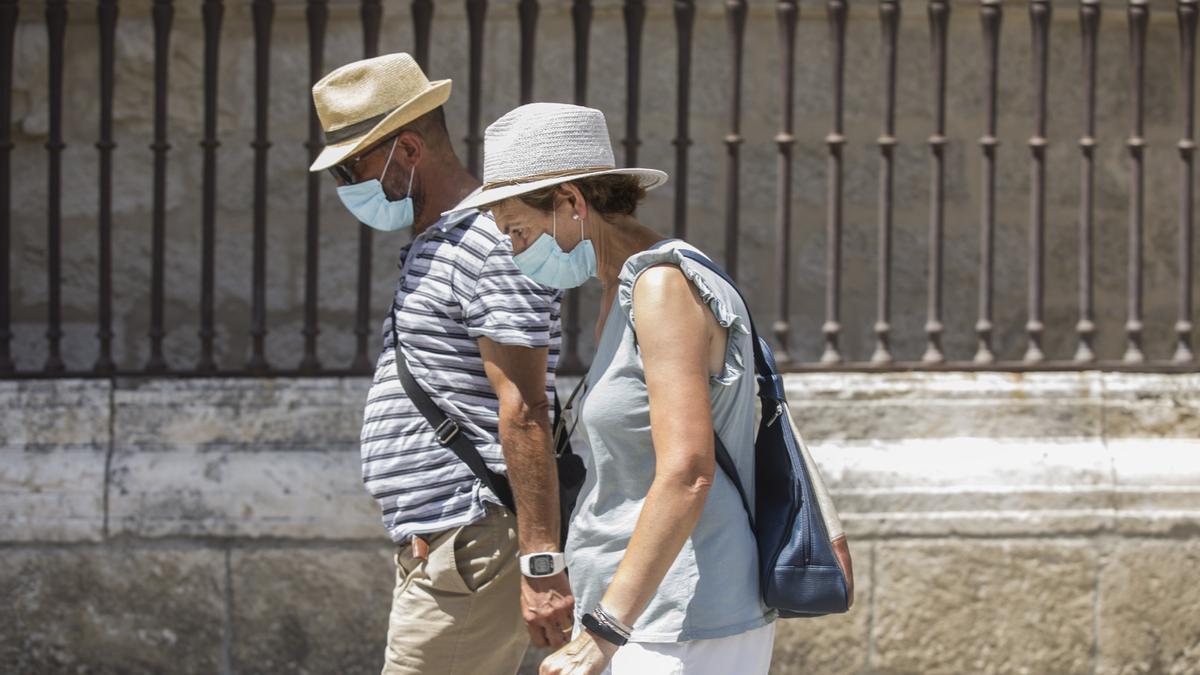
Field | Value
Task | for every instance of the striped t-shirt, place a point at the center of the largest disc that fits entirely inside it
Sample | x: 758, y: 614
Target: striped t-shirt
x: 457, y: 283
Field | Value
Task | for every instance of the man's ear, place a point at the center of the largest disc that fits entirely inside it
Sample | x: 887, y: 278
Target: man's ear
x: 410, y: 148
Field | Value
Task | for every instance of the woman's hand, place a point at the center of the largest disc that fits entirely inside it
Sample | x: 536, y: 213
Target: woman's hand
x: 585, y: 655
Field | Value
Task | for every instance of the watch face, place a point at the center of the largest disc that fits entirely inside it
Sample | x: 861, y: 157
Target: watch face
x: 541, y: 565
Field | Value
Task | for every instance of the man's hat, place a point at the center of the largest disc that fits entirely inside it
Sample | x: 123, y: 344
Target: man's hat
x: 364, y: 102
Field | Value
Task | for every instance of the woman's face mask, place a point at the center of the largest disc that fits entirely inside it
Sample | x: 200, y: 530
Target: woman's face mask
x: 369, y: 203
x: 546, y: 263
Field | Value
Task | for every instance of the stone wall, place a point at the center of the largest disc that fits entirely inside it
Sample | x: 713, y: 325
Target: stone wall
x: 710, y: 86
x: 1045, y: 523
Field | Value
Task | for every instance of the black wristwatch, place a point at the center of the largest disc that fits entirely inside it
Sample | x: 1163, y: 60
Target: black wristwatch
x: 603, y: 630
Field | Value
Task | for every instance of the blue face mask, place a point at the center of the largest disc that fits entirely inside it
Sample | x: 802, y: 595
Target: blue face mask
x: 546, y: 263
x: 369, y: 203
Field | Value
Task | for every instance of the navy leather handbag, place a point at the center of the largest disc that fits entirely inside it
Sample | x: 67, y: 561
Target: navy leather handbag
x: 804, y: 559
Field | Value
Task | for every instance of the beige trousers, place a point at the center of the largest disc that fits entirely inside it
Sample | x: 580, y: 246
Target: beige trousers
x: 458, y: 612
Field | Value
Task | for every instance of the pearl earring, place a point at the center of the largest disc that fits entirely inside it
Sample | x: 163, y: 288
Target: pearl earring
x: 575, y: 216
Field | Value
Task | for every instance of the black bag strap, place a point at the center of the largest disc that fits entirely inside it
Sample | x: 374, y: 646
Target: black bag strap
x: 447, y: 431
x: 560, y: 433
x: 770, y: 384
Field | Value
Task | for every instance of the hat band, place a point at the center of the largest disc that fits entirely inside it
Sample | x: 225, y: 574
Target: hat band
x: 356, y: 129
x: 543, y: 176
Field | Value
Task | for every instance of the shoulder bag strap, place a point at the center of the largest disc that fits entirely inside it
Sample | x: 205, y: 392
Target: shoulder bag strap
x: 447, y: 430
x: 770, y: 385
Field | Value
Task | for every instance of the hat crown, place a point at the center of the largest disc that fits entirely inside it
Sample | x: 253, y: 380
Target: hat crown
x: 366, y: 89
x: 543, y: 138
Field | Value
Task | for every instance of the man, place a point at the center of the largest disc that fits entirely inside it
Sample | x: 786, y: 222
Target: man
x: 481, y: 340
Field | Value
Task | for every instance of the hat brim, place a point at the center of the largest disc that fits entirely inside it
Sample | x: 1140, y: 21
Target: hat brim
x: 335, y: 153
x: 649, y: 179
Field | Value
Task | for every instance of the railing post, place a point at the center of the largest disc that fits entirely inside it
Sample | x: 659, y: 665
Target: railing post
x: 527, y: 11
x: 1039, y: 19
x: 787, y: 14
x: 371, y: 14
x: 56, y: 25
x: 8, y: 28
x: 422, y: 16
x: 685, y: 18
x: 316, y: 15
x: 889, y: 21
x: 834, y: 142
x: 939, y: 19
x: 1089, y: 26
x: 735, y: 15
x: 991, y: 15
x: 634, y: 12
x: 1186, y: 11
x: 476, y: 13
x: 581, y: 21
x: 213, y: 11
x: 163, y: 12
x: 106, y: 19
x: 263, y: 12
x: 1139, y: 15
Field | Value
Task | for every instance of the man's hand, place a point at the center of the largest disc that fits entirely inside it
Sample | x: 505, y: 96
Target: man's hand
x: 548, y: 609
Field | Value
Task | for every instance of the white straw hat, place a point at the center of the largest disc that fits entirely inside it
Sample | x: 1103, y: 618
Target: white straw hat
x: 363, y: 102
x: 543, y: 144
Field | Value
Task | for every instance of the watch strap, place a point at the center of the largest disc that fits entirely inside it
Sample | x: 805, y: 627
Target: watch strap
x: 558, y: 564
x: 603, y: 630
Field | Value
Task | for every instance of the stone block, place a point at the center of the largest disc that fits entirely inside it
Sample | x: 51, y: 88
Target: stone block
x: 301, y: 494
x: 893, y: 406
x: 963, y: 606
x: 112, y: 610
x: 313, y: 610
x: 1157, y: 485
x: 322, y: 414
x: 51, y: 495
x: 54, y: 438
x: 1149, y: 616
x: 240, y: 457
x: 829, y: 644
x: 1141, y: 405
x: 969, y: 486
x: 54, y: 414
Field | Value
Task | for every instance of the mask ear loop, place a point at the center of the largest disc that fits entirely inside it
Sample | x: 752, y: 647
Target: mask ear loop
x: 388, y: 163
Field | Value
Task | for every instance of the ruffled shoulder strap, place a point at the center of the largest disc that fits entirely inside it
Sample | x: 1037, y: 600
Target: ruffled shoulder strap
x: 721, y: 299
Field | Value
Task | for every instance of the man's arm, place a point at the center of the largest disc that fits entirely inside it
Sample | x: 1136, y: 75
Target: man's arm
x: 518, y: 376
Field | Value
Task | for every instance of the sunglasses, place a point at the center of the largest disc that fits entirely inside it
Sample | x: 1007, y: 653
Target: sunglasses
x: 344, y: 172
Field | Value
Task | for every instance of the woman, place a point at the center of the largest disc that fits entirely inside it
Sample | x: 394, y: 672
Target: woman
x: 661, y: 555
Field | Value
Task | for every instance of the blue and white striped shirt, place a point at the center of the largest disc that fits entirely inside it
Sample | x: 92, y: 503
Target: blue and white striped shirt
x: 457, y: 283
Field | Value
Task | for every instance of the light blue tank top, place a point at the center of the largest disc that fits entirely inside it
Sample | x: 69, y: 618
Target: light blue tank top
x: 711, y: 590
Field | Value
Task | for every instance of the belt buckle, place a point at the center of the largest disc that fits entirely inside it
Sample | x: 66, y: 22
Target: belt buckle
x: 446, y: 431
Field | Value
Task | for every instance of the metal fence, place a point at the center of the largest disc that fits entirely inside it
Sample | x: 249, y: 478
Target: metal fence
x: 989, y: 12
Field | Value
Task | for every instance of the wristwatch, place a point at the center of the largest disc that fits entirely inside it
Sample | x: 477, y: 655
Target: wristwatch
x: 543, y: 564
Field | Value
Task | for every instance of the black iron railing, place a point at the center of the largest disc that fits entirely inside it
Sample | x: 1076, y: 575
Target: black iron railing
x: 634, y: 13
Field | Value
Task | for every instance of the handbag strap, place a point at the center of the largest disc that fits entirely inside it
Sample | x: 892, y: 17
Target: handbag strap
x: 446, y: 430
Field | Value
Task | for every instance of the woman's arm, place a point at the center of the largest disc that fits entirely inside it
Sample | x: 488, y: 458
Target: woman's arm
x: 676, y: 333
x: 675, y: 330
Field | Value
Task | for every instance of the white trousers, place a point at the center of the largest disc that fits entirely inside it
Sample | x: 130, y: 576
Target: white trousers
x: 746, y: 653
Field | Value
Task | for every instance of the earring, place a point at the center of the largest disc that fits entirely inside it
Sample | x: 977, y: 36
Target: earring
x: 575, y: 217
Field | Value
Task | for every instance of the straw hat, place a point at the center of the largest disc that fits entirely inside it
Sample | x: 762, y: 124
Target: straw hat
x: 543, y: 144
x: 363, y: 102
